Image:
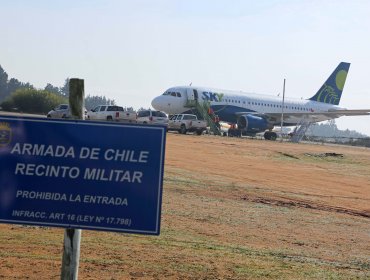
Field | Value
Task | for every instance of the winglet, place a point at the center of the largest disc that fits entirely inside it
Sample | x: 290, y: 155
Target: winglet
x: 331, y: 91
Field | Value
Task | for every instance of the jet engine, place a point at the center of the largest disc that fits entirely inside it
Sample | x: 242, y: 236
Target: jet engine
x: 253, y: 124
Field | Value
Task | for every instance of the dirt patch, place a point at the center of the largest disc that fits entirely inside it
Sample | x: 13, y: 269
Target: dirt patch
x: 306, y: 204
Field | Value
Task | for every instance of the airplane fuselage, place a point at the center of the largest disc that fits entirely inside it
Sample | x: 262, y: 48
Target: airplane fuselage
x: 228, y: 105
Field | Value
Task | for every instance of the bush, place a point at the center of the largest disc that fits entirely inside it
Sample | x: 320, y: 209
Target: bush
x: 32, y: 101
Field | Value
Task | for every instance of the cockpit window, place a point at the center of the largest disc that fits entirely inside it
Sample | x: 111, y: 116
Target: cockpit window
x: 172, y: 93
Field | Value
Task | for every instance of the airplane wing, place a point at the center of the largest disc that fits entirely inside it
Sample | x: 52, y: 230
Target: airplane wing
x: 310, y: 116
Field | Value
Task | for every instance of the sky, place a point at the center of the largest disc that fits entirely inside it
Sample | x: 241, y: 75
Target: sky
x: 132, y: 51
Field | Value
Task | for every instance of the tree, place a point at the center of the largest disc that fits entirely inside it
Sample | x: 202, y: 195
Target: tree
x: 93, y: 101
x: 32, y: 101
x: 8, y: 87
x: 3, y: 83
x: 64, y: 90
x: 142, y: 109
x: 51, y: 88
x: 13, y: 85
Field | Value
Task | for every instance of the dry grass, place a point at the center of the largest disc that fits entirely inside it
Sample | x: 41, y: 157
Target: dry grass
x: 241, y: 220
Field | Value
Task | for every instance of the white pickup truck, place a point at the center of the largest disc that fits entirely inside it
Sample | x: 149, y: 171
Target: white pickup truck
x: 111, y: 113
x: 186, y: 123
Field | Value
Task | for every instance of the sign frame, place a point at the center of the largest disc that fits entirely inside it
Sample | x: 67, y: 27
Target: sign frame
x: 154, y: 130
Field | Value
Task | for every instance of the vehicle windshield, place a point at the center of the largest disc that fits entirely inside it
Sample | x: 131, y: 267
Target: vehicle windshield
x: 62, y: 107
x: 159, y: 114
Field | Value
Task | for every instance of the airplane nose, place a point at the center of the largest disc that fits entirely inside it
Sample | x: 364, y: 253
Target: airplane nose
x: 156, y: 103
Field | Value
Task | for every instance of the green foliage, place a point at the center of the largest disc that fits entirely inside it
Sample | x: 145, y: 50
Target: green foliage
x: 32, y: 101
x: 8, y: 105
x: 3, y: 83
x: 19, y: 96
x: 13, y: 85
x: 7, y: 87
x: 50, y: 88
x: 65, y: 89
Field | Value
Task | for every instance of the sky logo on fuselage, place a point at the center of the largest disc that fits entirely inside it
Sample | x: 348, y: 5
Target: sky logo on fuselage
x: 328, y: 95
x: 212, y: 96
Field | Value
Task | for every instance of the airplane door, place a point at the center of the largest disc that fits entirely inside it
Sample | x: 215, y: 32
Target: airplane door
x: 195, y: 93
x: 190, y: 94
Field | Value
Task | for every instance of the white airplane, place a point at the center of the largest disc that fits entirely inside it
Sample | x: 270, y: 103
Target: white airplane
x: 254, y: 113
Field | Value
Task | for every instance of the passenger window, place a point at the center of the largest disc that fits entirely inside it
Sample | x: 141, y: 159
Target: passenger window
x: 144, y: 114
x: 102, y: 108
x: 178, y: 94
x: 114, y: 108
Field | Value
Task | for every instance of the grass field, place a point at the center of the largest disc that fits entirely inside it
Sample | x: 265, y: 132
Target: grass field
x: 232, y: 209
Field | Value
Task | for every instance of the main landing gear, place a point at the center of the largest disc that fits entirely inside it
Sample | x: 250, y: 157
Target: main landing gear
x: 270, y: 135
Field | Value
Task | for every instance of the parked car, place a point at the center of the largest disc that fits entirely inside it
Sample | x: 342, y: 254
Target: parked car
x: 152, y: 117
x: 110, y: 113
x: 187, y: 123
x: 61, y: 112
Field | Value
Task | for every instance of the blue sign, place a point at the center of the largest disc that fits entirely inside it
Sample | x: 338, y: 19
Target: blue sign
x: 81, y: 174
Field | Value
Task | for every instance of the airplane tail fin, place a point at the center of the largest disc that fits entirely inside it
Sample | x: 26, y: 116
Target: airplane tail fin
x: 331, y: 91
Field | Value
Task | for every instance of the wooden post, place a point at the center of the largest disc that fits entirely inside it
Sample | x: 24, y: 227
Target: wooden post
x: 72, y: 237
x: 71, y: 254
x: 77, y: 98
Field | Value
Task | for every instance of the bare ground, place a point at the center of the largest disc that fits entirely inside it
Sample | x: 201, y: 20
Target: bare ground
x: 232, y: 209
